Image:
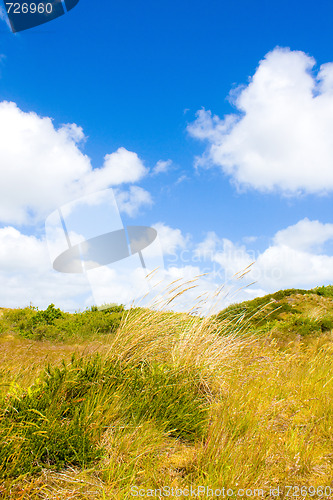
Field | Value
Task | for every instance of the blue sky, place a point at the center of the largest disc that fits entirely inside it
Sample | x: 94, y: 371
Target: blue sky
x: 249, y: 177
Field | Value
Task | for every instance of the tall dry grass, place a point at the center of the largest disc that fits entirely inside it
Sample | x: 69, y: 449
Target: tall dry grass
x: 177, y: 400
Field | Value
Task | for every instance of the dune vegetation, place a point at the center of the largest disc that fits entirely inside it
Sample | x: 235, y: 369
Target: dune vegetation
x: 119, y: 404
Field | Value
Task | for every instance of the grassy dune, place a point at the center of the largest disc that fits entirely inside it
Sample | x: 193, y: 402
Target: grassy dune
x: 96, y: 403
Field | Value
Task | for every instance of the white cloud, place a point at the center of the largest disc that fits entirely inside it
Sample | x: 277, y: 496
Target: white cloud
x: 162, y: 167
x: 206, y: 249
x: 280, y: 138
x: 290, y: 261
x: 132, y: 200
x: 19, y: 252
x: 38, y: 164
x: 305, y: 235
x: 171, y: 239
x: 230, y: 256
x: 190, y: 290
x: 120, y: 167
x: 181, y: 179
x: 26, y: 275
x: 295, y: 259
x: 42, y: 167
x: 281, y: 267
x: 249, y: 239
x: 233, y: 258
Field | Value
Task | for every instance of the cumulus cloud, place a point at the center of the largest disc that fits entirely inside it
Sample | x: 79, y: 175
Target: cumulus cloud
x: 162, y: 167
x: 206, y: 249
x: 294, y: 259
x: 281, y: 266
x: 119, y: 168
x: 132, y: 200
x: 233, y: 258
x: 305, y: 235
x: 280, y: 137
x: 171, y: 239
x: 19, y: 252
x: 43, y: 167
x: 26, y: 275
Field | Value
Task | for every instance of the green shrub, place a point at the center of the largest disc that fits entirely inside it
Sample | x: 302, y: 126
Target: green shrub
x: 19, y: 319
x: 31, y: 443
x: 48, y: 316
x: 58, y: 421
x: 111, y: 308
x: 302, y: 326
x: 262, y: 310
x: 171, y: 398
x: 53, y: 324
x: 326, y: 324
x: 43, y: 428
x: 324, y: 291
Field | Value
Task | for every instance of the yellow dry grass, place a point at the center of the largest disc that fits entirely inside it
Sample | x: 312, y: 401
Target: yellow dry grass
x: 271, y: 412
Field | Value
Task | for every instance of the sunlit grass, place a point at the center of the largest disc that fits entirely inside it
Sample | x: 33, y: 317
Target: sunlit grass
x: 170, y: 400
